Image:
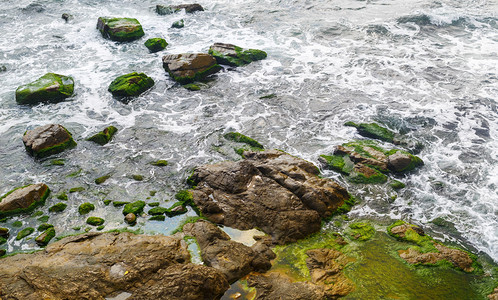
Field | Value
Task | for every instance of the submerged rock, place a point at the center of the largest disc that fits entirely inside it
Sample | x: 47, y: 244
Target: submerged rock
x: 169, y: 9
x: 46, y: 140
x: 189, y: 67
x: 104, y: 136
x: 24, y: 199
x: 49, y: 87
x: 156, y: 44
x: 280, y: 194
x: 130, y: 85
x: 228, y: 54
x: 120, y: 29
x: 102, y: 265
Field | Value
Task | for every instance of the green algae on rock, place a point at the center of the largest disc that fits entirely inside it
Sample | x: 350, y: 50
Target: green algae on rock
x: 130, y: 85
x: 76, y: 189
x: 137, y: 177
x: 396, y: 184
x: 231, y: 55
x: 240, y: 138
x: 50, y: 87
x: 119, y: 203
x: 104, y: 136
x: 59, y: 207
x: 156, y: 44
x: 159, y: 163
x: 361, y: 231
x: 23, y: 199
x: 190, y: 67
x: 95, y: 221
x: 24, y: 233
x: 85, y: 208
x: 47, y: 140
x: 44, y: 238
x: 44, y: 226
x: 120, y: 29
x: 102, y: 179
x: 136, y: 208
x: 192, y: 87
x: 373, y: 130
x: 157, y: 218
x: 178, y: 24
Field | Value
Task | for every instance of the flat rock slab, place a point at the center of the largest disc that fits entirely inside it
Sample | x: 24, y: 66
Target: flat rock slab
x: 278, y: 193
x: 47, y: 140
x: 100, y: 265
x: 50, y: 87
x: 120, y: 29
x: 23, y: 199
x: 228, y: 54
x: 189, y: 67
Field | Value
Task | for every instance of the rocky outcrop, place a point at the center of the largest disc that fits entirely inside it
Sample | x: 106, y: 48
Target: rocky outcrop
x: 50, y: 87
x: 233, y: 259
x: 24, y: 199
x: 120, y: 29
x: 189, y: 67
x: 271, y: 190
x: 104, y: 136
x: 231, y: 55
x: 130, y: 85
x: 95, y: 266
x: 46, y: 140
x: 169, y: 9
x: 156, y: 44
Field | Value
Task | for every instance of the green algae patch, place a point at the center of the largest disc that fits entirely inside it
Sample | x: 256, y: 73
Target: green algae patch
x: 62, y: 196
x: 43, y: 219
x: 158, y: 211
x: 59, y: 207
x: 137, y: 177
x: 373, y: 130
x: 44, y: 238
x: 360, y: 231
x: 2, y: 240
x: 156, y: 44
x: 192, y: 87
x: 231, y: 55
x: 120, y: 29
x: 397, y: 185
x: 157, y: 218
x: 130, y: 85
x: 44, y: 226
x: 367, y: 175
x: 240, y: 138
x: 17, y: 224
x: 136, y: 208
x: 57, y: 162
x: 337, y: 163
x: 102, y: 179
x: 159, y: 163
x: 104, y: 136
x: 76, y: 189
x: 119, y: 203
x: 187, y: 220
x: 50, y: 87
x: 85, y: 208
x: 24, y: 233
x: 95, y: 221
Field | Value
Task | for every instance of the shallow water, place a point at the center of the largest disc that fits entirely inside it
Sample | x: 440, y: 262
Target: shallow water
x: 427, y: 68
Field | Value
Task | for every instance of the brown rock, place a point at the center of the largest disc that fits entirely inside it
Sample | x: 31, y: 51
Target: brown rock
x: 190, y: 67
x: 401, y: 230
x: 130, y: 218
x: 96, y: 265
x: 23, y: 198
x: 47, y: 140
x: 189, y: 8
x: 276, y: 192
x: 278, y: 286
x: 458, y: 258
x: 398, y: 161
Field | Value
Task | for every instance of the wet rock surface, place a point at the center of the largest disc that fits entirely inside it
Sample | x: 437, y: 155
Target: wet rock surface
x: 23, y: 199
x: 276, y: 192
x: 47, y: 140
x: 120, y: 29
x: 94, y: 266
x: 277, y: 286
x: 50, y: 87
x: 189, y: 67
x: 228, y: 54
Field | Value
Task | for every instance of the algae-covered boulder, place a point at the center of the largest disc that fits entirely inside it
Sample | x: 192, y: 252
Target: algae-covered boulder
x: 24, y: 199
x: 401, y: 161
x: 50, y: 87
x: 156, y: 44
x: 85, y: 208
x: 240, y: 138
x: 373, y: 130
x: 24, y: 233
x: 228, y: 54
x: 189, y: 67
x: 95, y: 221
x: 120, y: 29
x: 104, y: 136
x: 169, y: 9
x: 130, y: 85
x: 44, y: 238
x: 46, y: 140
x: 135, y: 208
x: 59, y: 207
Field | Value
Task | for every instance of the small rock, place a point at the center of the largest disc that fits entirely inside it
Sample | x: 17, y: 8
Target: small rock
x: 24, y: 199
x: 85, y: 208
x: 44, y: 238
x: 3, y: 252
x: 156, y: 44
x: 120, y: 29
x: 95, y: 221
x: 136, y: 208
x: 400, y: 162
x: 131, y: 218
x: 4, y: 232
x: 46, y: 140
x: 102, y: 179
x: 104, y: 136
x: 373, y: 130
x: 178, y: 24
x: 159, y: 163
x: 59, y: 207
x: 169, y: 9
x: 67, y: 17
x: 50, y: 87
x: 3, y: 69
x: 24, y: 233
x: 130, y: 85
x: 189, y: 67
x: 228, y: 54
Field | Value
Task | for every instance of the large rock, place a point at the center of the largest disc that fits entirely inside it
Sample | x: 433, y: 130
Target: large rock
x: 228, y: 54
x: 189, y: 67
x: 24, y: 199
x: 271, y: 190
x: 130, y: 85
x: 233, y: 259
x: 50, y: 87
x: 46, y: 140
x: 96, y: 266
x: 169, y: 9
x: 120, y: 29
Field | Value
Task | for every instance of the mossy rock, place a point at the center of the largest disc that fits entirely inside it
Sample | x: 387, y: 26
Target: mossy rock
x: 76, y: 189
x: 85, y: 208
x: 159, y: 163
x: 397, y: 185
x: 137, y: 177
x: 24, y: 233
x: 59, y: 207
x: 4, y: 232
x: 228, y: 54
x: 119, y: 203
x: 373, y: 130
x: 361, y: 231
x: 62, y: 196
x: 3, y: 252
x: 177, y: 209
x: 17, y: 224
x: 136, y: 208
x: 338, y: 163
x: 400, y: 161
x: 23, y: 199
x: 187, y: 68
x: 156, y: 44
x: 366, y: 175
x: 157, y: 218
x: 120, y: 29
x: 2, y: 240
x: 130, y: 85
x: 157, y: 211
x: 240, y: 138
x: 178, y: 24
x: 57, y: 162
x: 102, y: 179
x: 43, y: 219
x: 104, y: 136
x: 192, y: 87
x: 44, y: 226
x: 50, y: 87
x: 95, y: 221
x: 153, y: 204
x: 44, y: 238
x: 107, y: 202
x: 47, y: 140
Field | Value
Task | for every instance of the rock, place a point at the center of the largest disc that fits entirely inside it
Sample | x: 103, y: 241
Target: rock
x: 44, y: 227
x: 4, y: 232
x: 104, y: 136
x: 3, y: 69
x: 169, y: 9
x: 46, y: 140
x: 178, y: 24
x: 401, y: 162
x: 278, y: 286
x: 33, y: 8
x: 85, y: 208
x: 137, y: 177
x: 50, y: 87
x: 130, y: 85
x: 228, y: 54
x: 95, y: 221
x: 102, y: 179
x: 24, y: 233
x: 233, y: 259
x: 492, y: 296
x: 189, y: 67
x: 120, y: 29
x: 102, y: 265
x: 160, y: 163
x: 24, y: 199
x: 136, y: 208
x: 156, y: 44
x: 67, y: 17
x: 364, y: 174
x: 373, y: 130
x: 131, y: 218
x: 280, y: 194
x: 59, y: 207
x: 240, y: 138
x: 44, y: 238
x: 397, y: 185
